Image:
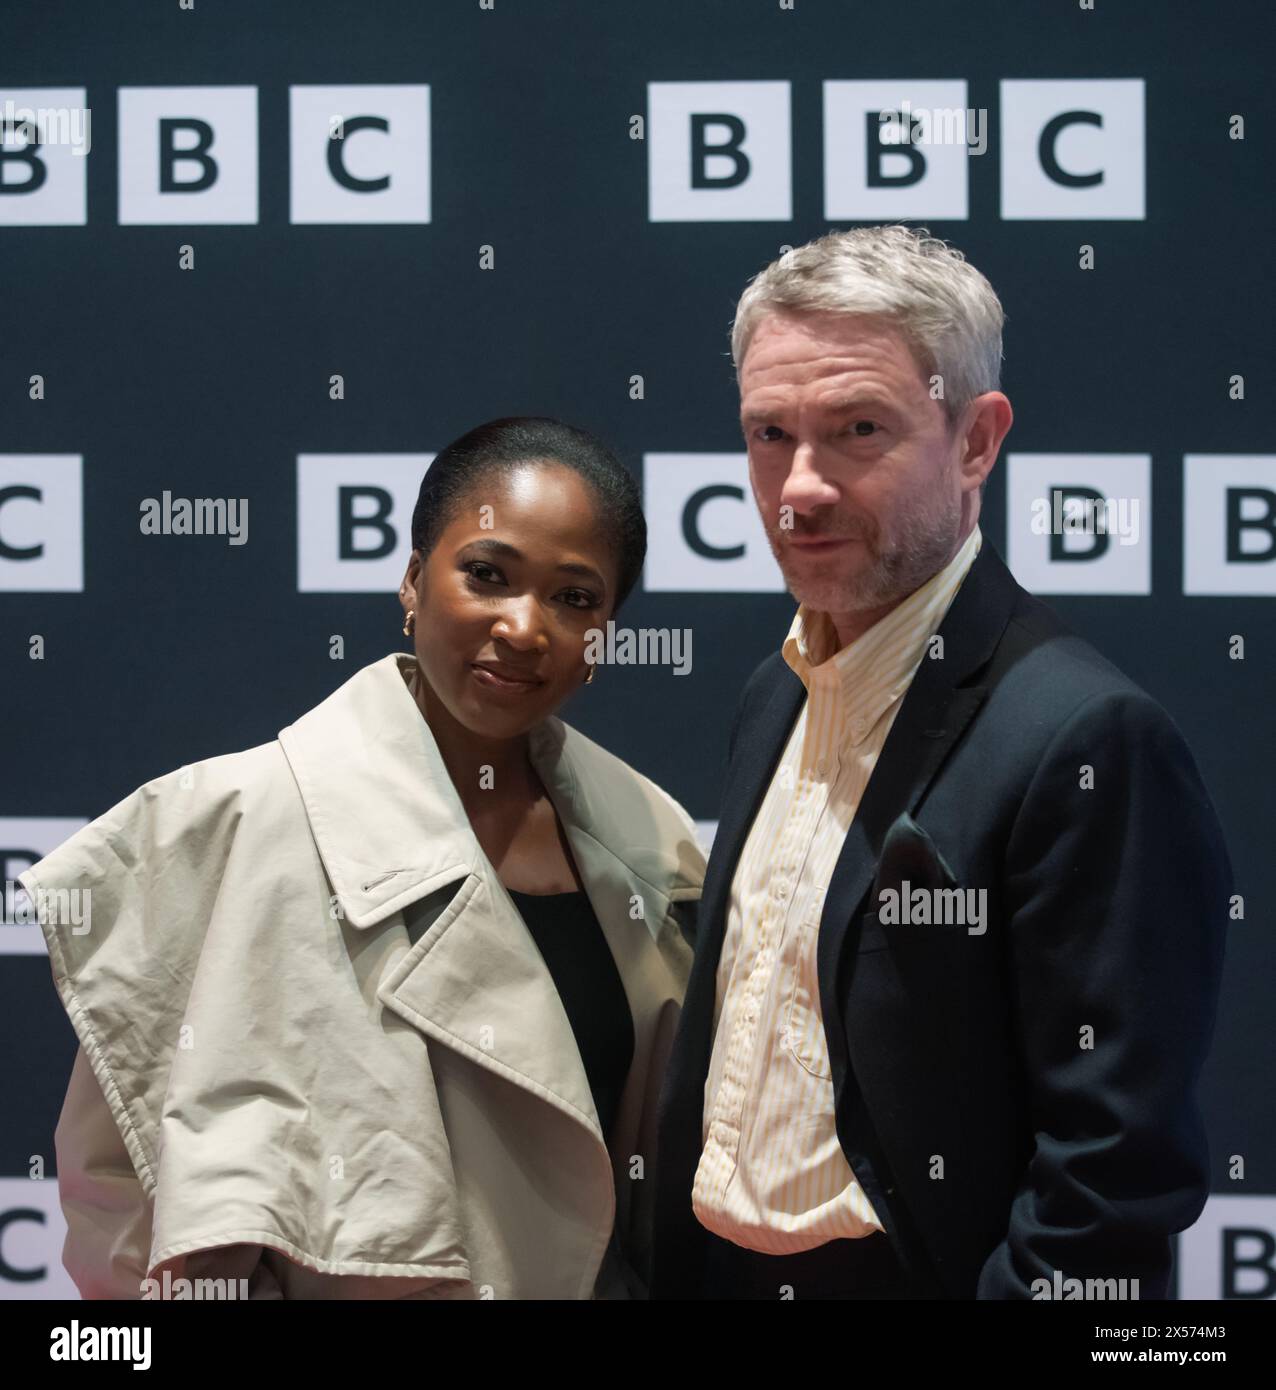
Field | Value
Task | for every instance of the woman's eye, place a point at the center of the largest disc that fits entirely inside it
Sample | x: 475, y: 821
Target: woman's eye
x: 482, y: 573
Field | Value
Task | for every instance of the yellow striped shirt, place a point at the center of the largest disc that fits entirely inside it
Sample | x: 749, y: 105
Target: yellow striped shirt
x: 772, y: 1176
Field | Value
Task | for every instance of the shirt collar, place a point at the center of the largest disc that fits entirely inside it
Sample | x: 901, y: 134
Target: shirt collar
x: 864, y: 678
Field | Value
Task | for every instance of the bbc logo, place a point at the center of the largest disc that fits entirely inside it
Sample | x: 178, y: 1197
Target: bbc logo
x: 188, y: 157
x: 717, y: 151
x: 723, y: 151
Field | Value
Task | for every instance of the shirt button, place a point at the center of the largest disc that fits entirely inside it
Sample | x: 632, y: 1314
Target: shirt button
x: 781, y: 889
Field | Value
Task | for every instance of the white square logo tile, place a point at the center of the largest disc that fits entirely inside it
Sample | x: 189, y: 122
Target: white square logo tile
x: 360, y: 154
x: 913, y: 164
x: 187, y: 155
x: 703, y: 528
x: 41, y: 523
x: 719, y: 152
x: 354, y: 520
x: 1072, y: 149
x: 46, y: 135
x: 1080, y: 523
x: 1229, y: 524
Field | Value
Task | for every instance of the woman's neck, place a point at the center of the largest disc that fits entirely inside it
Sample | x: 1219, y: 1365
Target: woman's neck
x: 477, y: 765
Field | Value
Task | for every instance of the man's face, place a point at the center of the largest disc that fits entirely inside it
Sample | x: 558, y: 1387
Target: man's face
x: 853, y: 468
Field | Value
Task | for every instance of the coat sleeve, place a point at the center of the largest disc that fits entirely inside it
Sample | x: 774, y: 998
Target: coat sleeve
x: 107, y: 1211
x: 108, y: 1215
x: 145, y: 867
x: 105, y: 1174
x: 1117, y: 882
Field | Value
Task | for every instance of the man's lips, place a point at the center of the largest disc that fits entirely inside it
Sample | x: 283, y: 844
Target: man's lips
x: 818, y: 542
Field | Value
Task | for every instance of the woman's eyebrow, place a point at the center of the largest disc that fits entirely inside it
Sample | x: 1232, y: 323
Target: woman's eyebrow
x: 503, y: 550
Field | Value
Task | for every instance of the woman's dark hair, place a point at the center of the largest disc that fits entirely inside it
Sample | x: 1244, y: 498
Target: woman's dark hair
x: 498, y: 447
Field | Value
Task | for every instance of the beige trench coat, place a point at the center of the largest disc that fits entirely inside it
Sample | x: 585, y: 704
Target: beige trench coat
x: 319, y: 1049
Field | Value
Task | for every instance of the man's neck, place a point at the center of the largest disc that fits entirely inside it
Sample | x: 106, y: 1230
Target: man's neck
x: 851, y: 626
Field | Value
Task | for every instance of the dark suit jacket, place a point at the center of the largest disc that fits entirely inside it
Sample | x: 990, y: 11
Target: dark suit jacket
x: 1107, y: 903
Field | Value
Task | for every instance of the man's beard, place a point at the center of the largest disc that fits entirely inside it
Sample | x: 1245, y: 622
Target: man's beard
x: 923, y: 543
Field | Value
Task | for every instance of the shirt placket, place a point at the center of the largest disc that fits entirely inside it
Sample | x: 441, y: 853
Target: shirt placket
x: 821, y: 775
x: 783, y: 905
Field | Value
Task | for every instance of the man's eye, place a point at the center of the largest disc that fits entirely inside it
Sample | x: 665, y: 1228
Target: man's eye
x: 864, y: 433
x: 765, y: 428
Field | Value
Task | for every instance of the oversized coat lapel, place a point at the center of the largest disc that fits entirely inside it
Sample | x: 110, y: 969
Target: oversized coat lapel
x: 394, y: 838
x: 392, y: 831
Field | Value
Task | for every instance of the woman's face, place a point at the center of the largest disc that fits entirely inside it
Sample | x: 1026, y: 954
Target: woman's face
x: 506, y: 597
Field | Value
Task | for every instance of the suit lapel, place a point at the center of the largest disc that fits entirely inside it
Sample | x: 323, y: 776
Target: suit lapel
x: 936, y: 710
x: 931, y: 720
x: 937, y: 707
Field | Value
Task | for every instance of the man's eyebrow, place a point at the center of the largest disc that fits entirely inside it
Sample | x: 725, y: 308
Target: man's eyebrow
x: 503, y: 550
x: 842, y: 405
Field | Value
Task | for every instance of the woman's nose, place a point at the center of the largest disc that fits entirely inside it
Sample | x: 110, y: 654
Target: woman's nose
x: 521, y: 623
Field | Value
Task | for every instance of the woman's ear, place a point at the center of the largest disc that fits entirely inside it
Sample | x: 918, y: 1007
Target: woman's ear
x: 411, y: 577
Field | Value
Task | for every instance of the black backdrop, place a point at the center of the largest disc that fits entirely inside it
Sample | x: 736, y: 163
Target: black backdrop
x: 212, y: 381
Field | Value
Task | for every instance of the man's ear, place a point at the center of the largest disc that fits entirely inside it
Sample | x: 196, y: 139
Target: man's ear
x: 989, y: 418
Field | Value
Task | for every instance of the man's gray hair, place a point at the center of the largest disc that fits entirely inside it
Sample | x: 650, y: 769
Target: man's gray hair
x: 946, y: 310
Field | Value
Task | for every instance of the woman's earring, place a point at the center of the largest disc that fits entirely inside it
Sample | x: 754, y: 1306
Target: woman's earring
x: 409, y: 623
x: 589, y: 679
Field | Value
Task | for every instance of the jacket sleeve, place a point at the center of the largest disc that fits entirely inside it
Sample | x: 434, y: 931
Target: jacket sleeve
x: 1117, y: 882
x: 107, y: 1211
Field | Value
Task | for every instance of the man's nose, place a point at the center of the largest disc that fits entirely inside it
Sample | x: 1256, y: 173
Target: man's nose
x: 806, y: 486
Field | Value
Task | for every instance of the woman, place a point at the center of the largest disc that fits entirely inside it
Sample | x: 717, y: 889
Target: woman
x: 380, y: 1008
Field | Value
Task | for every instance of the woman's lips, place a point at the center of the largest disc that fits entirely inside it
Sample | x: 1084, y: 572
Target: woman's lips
x: 492, y: 680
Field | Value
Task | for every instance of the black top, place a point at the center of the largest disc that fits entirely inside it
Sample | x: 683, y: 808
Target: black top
x: 565, y: 929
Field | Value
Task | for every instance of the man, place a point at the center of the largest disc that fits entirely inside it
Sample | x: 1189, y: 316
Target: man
x: 962, y: 928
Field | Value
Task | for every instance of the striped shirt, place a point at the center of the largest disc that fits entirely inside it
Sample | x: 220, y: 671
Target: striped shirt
x: 772, y: 1175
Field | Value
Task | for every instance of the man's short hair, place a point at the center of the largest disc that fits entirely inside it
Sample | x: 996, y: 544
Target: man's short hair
x: 945, y: 309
